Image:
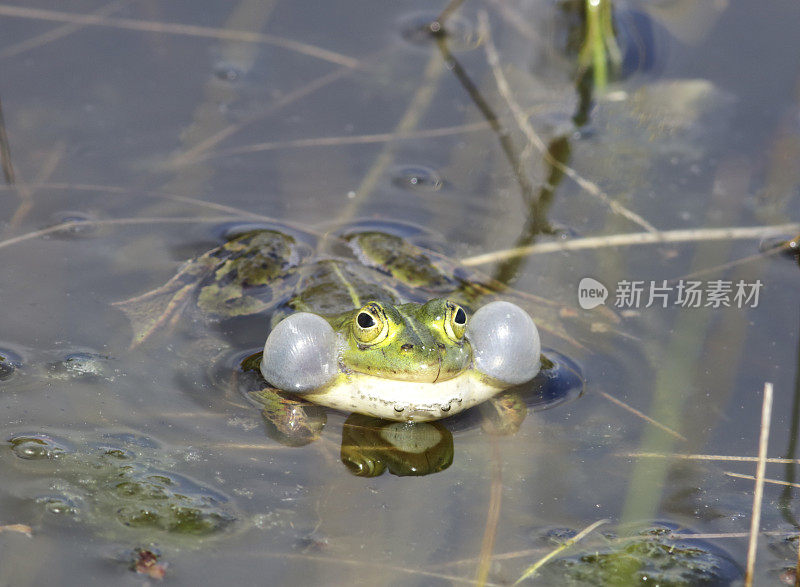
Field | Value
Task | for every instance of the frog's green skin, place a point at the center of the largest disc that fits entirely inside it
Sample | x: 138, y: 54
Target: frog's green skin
x: 421, y: 369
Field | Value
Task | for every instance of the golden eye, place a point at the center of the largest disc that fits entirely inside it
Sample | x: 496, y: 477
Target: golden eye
x: 370, y: 325
x: 455, y: 321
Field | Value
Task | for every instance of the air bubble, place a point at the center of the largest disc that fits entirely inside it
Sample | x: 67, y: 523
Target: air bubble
x: 227, y: 72
x: 10, y: 362
x: 82, y: 365
x: 458, y: 32
x: 80, y: 225
x: 417, y: 178
x: 36, y: 447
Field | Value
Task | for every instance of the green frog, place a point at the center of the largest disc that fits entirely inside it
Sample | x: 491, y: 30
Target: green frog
x: 363, y: 321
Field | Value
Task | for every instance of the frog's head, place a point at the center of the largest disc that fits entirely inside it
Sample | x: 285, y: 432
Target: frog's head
x: 422, y: 343
x: 408, y: 342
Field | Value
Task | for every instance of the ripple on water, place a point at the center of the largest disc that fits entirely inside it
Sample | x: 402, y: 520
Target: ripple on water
x: 82, y: 365
x: 560, y: 380
x: 227, y: 72
x: 460, y: 33
x: 416, y: 178
x: 79, y: 225
x: 10, y: 363
x: 37, y: 446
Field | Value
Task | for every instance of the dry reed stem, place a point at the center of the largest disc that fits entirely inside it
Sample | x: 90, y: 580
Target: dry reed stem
x: 19, y: 528
x: 643, y: 416
x: 241, y: 212
x: 701, y: 457
x: 534, y: 139
x: 178, y: 29
x: 117, y: 222
x: 196, y: 153
x: 26, y: 191
x: 531, y: 570
x: 350, y: 140
x: 758, y: 494
x: 719, y: 268
x: 5, y: 151
x: 492, y: 515
x: 58, y: 32
x: 314, y: 558
x: 766, y: 479
x: 416, y: 109
x: 638, y: 238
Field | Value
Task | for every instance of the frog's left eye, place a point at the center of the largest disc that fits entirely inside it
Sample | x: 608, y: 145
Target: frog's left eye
x: 370, y: 325
x: 455, y: 321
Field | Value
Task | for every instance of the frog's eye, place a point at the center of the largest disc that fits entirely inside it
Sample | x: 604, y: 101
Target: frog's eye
x: 370, y: 325
x: 455, y: 321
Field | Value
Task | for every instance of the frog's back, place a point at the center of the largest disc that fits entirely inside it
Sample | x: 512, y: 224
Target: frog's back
x: 334, y: 286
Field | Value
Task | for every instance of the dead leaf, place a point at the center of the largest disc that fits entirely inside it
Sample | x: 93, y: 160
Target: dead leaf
x: 147, y: 564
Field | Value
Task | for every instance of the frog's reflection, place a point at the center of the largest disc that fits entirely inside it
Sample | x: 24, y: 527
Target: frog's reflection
x: 370, y: 446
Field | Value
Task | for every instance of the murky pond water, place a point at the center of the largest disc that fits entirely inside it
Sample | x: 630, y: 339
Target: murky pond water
x: 140, y: 132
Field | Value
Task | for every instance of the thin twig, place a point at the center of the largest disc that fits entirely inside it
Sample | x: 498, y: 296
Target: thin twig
x: 699, y: 457
x: 197, y: 152
x: 416, y: 109
x: 350, y: 140
x: 26, y: 191
x: 766, y: 479
x: 797, y: 566
x: 713, y: 536
x: 531, y: 570
x: 19, y: 528
x: 719, y: 268
x: 758, y: 494
x: 118, y: 190
x: 360, y: 563
x: 492, y: 57
x: 643, y: 416
x: 492, y: 515
x: 116, y: 222
x: 58, y: 32
x: 5, y: 151
x: 178, y: 29
x: 639, y: 238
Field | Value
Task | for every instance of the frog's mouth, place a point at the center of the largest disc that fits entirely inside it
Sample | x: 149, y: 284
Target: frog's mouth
x: 429, y: 368
x: 405, y: 401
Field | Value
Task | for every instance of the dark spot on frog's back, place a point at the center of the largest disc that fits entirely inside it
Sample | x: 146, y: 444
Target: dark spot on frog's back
x: 402, y: 260
x: 407, y: 347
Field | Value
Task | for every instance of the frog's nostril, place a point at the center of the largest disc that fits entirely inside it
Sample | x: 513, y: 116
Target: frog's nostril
x: 407, y: 347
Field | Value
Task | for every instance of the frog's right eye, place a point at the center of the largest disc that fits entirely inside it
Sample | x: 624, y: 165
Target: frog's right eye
x: 455, y: 321
x: 370, y: 325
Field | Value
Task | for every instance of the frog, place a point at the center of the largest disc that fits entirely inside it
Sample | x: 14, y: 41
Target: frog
x: 362, y: 320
